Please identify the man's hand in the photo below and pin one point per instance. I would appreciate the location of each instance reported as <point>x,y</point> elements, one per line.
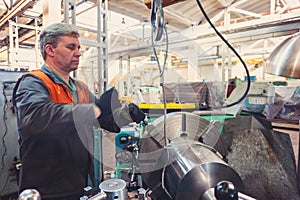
<point>109,102</point>
<point>127,114</point>
<point>114,115</point>
<point>136,114</point>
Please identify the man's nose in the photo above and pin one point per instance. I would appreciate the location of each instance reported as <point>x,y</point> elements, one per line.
<point>77,53</point>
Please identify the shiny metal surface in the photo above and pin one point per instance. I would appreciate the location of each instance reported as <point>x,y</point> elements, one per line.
<point>30,194</point>
<point>185,168</point>
<point>196,169</point>
<point>100,196</point>
<point>178,124</point>
<point>186,156</point>
<point>285,59</point>
<point>115,189</point>
<point>195,183</point>
<point>208,194</point>
<point>154,156</point>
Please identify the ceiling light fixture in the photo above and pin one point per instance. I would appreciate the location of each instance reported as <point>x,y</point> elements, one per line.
<point>285,59</point>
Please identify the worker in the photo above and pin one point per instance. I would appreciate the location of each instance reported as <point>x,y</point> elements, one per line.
<point>56,117</point>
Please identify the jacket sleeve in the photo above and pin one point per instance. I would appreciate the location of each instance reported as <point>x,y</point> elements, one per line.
<point>37,114</point>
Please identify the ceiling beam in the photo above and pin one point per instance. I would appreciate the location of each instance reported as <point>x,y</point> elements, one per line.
<point>16,10</point>
<point>245,36</point>
<point>245,12</point>
<point>225,3</point>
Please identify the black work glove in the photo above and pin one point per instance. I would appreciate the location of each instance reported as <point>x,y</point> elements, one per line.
<point>114,115</point>
<point>136,114</point>
<point>108,103</point>
<point>127,114</point>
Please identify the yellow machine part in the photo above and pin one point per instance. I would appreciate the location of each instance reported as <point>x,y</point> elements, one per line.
<point>168,106</point>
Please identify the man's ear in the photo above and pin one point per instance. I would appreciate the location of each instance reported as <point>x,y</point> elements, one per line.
<point>49,50</point>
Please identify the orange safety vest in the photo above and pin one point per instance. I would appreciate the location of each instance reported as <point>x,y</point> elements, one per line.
<point>59,93</point>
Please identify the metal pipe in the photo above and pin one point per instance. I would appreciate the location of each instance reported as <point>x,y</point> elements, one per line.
<point>66,11</point>
<point>100,77</point>
<point>73,9</point>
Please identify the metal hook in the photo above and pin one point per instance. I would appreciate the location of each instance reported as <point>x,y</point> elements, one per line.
<point>157,19</point>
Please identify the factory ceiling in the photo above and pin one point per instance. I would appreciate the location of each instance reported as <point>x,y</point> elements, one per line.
<point>240,20</point>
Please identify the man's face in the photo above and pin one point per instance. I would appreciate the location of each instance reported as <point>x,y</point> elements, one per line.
<point>66,55</point>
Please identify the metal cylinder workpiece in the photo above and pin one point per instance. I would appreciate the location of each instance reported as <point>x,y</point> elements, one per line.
<point>115,189</point>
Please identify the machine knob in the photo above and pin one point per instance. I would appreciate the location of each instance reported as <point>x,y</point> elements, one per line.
<point>30,194</point>
<point>225,190</point>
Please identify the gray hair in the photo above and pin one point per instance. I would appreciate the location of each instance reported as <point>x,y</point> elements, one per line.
<point>52,33</point>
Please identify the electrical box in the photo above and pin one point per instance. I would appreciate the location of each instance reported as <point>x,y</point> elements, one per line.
<point>126,136</point>
<point>9,147</point>
<point>257,97</point>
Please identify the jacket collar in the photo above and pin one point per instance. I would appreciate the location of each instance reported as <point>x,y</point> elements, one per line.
<point>52,76</point>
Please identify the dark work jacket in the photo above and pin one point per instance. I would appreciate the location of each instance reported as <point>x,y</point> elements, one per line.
<point>55,135</point>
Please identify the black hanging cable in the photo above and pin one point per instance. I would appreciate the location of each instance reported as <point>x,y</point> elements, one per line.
<point>236,53</point>
<point>5,108</point>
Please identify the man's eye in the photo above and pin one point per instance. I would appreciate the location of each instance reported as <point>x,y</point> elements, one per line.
<point>71,47</point>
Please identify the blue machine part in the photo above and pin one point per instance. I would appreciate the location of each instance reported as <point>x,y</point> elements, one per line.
<point>124,157</point>
<point>126,136</point>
